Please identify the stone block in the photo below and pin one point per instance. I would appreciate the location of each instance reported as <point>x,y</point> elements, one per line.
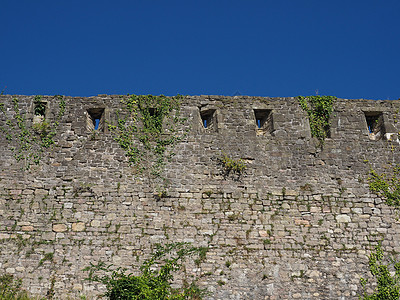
<point>27,228</point>
<point>302,222</point>
<point>59,227</point>
<point>95,223</point>
<point>343,218</point>
<point>79,226</point>
<point>4,236</point>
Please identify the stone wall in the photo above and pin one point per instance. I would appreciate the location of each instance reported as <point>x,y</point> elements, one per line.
<point>298,223</point>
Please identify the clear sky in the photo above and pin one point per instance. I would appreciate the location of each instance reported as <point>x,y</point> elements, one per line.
<point>349,49</point>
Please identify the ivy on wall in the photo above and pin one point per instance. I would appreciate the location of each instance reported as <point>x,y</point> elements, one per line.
<point>319,110</point>
<point>387,277</point>
<point>147,128</point>
<point>29,142</point>
<point>386,186</point>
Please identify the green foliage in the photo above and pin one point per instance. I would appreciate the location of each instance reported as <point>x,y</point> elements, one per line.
<point>147,129</point>
<point>319,110</point>
<point>29,143</point>
<point>47,257</point>
<point>41,128</point>
<point>388,283</point>
<point>156,275</point>
<point>229,165</point>
<point>386,186</point>
<point>61,106</point>
<point>10,288</point>
<point>40,107</point>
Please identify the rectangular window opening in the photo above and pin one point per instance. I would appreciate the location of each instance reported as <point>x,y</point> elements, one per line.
<point>374,122</point>
<point>263,119</point>
<point>208,118</point>
<point>95,119</point>
<point>39,111</point>
<point>40,108</point>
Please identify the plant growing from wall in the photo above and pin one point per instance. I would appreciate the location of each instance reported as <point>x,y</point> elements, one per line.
<point>319,110</point>
<point>10,288</point>
<point>386,186</point>
<point>147,129</point>
<point>230,165</point>
<point>42,129</point>
<point>40,106</point>
<point>388,281</point>
<point>29,142</point>
<point>156,276</point>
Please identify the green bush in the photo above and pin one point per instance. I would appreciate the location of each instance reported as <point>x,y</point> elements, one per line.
<point>156,276</point>
<point>229,165</point>
<point>388,283</point>
<point>10,288</point>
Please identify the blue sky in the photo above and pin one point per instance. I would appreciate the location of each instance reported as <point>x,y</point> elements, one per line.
<point>350,49</point>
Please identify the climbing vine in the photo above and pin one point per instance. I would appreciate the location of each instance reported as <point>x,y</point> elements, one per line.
<point>387,277</point>
<point>319,110</point>
<point>386,185</point>
<point>29,142</point>
<point>147,128</point>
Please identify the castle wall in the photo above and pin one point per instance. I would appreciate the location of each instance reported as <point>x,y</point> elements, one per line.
<point>298,223</point>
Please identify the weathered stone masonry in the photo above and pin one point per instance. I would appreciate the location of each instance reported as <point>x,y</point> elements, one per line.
<point>298,223</point>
